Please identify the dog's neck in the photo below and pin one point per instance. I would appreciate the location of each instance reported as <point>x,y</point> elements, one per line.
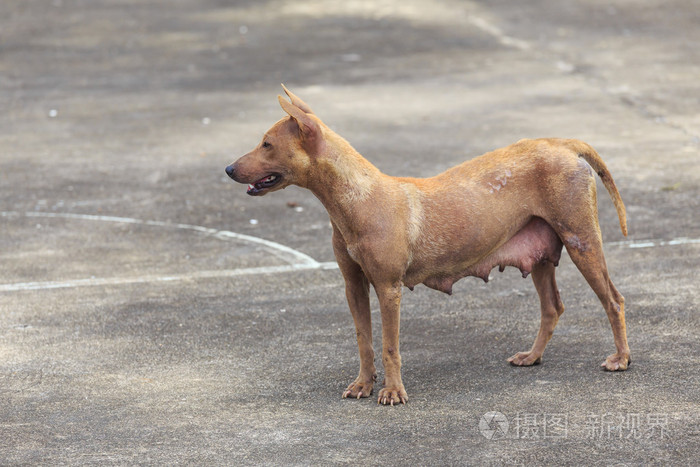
<point>342,179</point>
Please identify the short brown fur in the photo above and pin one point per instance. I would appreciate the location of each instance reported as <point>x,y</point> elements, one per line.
<point>516,206</point>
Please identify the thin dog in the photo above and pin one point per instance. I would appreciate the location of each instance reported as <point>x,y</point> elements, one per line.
<point>516,206</point>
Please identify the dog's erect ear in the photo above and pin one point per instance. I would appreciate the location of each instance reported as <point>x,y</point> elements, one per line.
<point>298,102</point>
<point>309,130</point>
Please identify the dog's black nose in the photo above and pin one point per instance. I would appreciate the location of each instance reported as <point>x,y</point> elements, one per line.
<point>230,171</point>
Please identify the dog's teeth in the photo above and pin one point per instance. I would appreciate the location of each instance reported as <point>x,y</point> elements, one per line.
<point>250,186</point>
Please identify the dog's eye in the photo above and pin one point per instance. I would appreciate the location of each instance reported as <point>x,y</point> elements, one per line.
<point>266,145</point>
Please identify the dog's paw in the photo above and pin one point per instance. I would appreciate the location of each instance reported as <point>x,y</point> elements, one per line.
<point>391,396</point>
<point>616,362</point>
<point>358,389</point>
<point>525,359</point>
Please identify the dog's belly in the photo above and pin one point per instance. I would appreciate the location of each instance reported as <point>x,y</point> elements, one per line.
<point>536,242</point>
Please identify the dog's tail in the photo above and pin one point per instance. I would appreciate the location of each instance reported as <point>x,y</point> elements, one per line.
<point>591,156</point>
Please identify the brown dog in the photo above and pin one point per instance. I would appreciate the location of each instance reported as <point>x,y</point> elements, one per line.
<point>515,206</point>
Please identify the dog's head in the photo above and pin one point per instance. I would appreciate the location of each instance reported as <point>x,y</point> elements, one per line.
<point>285,153</point>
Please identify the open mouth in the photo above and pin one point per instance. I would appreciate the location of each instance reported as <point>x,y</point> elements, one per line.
<point>264,184</point>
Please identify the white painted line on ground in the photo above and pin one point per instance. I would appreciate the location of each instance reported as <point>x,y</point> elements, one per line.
<point>493,30</point>
<point>275,247</point>
<point>655,243</point>
<point>305,262</point>
<point>299,262</point>
<point>154,278</point>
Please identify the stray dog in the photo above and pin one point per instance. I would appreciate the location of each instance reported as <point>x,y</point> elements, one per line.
<point>516,206</point>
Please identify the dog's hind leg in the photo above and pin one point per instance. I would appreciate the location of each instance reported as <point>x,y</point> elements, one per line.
<point>551,308</point>
<point>588,258</point>
<point>576,223</point>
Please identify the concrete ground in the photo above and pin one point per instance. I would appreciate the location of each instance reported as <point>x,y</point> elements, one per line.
<point>152,313</point>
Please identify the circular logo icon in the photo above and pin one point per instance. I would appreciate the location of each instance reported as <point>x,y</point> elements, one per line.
<point>493,425</point>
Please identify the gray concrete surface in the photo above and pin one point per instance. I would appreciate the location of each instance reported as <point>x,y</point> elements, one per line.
<point>136,327</point>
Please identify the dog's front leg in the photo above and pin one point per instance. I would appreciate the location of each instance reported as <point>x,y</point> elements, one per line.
<point>390,304</point>
<point>357,294</point>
